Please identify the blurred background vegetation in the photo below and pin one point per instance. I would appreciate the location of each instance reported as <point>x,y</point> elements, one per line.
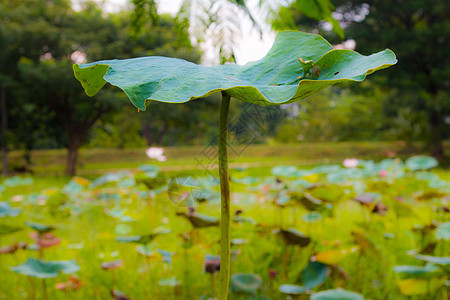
<point>43,106</point>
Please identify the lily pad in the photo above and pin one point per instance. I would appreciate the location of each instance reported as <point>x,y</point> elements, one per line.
<point>199,220</point>
<point>18,181</point>
<point>442,261</point>
<point>443,231</point>
<point>169,282</point>
<point>41,228</point>
<point>406,271</point>
<point>143,239</point>
<point>245,283</point>
<point>286,171</point>
<point>293,289</point>
<point>292,236</point>
<point>7,211</point>
<point>314,274</point>
<point>272,80</point>
<point>46,269</point>
<point>311,217</point>
<point>421,162</point>
<point>337,294</point>
<point>414,286</point>
<point>334,256</point>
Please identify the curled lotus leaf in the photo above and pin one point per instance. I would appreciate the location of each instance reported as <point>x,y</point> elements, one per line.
<point>278,78</point>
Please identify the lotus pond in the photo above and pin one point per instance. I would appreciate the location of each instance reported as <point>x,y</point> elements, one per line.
<point>360,230</point>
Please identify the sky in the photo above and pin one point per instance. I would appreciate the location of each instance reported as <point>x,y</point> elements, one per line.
<point>251,48</point>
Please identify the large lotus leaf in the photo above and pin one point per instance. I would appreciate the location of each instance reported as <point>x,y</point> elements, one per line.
<point>270,81</point>
<point>46,269</point>
<point>7,211</point>
<point>338,294</point>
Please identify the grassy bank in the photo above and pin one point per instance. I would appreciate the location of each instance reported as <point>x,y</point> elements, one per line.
<point>97,161</point>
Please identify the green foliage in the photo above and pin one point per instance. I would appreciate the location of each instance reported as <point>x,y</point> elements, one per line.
<point>89,230</point>
<point>7,211</point>
<point>271,80</point>
<point>46,269</point>
<point>416,31</point>
<point>319,10</point>
<point>338,115</point>
<point>338,294</point>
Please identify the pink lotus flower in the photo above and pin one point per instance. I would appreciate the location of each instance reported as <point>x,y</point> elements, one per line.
<point>383,173</point>
<point>156,153</point>
<point>350,162</point>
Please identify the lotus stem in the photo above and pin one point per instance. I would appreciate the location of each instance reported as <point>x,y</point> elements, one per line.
<point>44,289</point>
<point>224,275</point>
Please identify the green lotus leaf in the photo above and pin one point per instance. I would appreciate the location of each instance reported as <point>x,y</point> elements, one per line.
<point>314,274</point>
<point>169,282</point>
<point>287,171</point>
<point>235,242</point>
<point>18,181</point>
<point>41,228</point>
<point>277,78</point>
<point>311,217</point>
<point>46,269</point>
<point>293,289</point>
<point>6,229</point>
<point>7,211</point>
<point>428,271</point>
<point>421,162</point>
<point>337,294</point>
<point>292,236</point>
<point>442,261</point>
<point>199,220</point>
<point>245,283</point>
<point>143,239</point>
<point>443,231</point>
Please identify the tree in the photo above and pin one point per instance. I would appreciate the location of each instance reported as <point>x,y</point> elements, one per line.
<point>27,29</point>
<point>41,39</point>
<point>418,32</point>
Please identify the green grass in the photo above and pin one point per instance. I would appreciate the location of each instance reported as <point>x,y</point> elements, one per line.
<point>88,233</point>
<point>97,161</point>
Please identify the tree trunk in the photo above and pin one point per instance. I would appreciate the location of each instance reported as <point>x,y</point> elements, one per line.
<point>72,154</point>
<point>4,145</point>
<point>436,134</point>
<point>147,132</point>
